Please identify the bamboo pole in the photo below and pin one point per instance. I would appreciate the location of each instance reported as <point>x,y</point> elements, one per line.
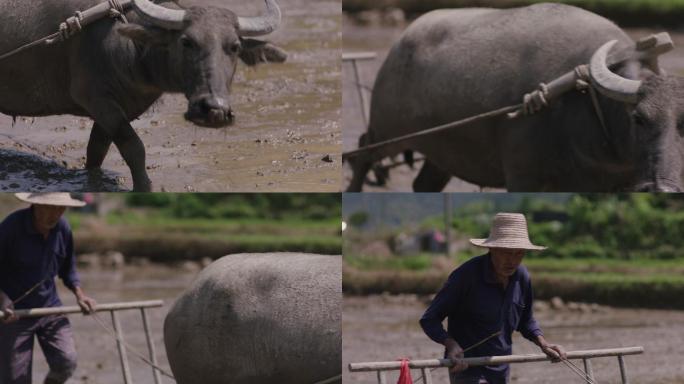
<point>39,312</point>
<point>588,369</point>
<point>353,56</point>
<point>150,346</point>
<point>123,356</point>
<point>623,374</point>
<point>382,379</point>
<point>492,360</point>
<point>426,375</point>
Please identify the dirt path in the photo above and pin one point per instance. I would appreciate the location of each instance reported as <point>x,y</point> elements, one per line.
<point>379,39</point>
<point>287,136</point>
<point>384,328</point>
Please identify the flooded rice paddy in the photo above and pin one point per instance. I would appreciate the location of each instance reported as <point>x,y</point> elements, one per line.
<point>287,135</point>
<point>98,359</point>
<point>379,39</point>
<point>385,328</point>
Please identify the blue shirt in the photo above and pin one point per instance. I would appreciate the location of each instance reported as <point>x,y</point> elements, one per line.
<point>477,306</point>
<point>26,258</point>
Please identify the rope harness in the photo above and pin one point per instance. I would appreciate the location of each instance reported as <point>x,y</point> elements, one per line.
<point>533,102</point>
<point>537,100</point>
<point>73,26</point>
<point>645,50</point>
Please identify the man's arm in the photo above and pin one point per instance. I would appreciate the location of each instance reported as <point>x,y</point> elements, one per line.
<point>6,304</point>
<point>439,309</point>
<point>530,329</point>
<point>68,274</point>
<point>7,308</point>
<point>88,305</point>
<point>554,351</point>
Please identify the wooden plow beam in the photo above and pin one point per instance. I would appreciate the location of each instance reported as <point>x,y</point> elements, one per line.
<point>424,365</point>
<point>112,308</point>
<point>354,58</point>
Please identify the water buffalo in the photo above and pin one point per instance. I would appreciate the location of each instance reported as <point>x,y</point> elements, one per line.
<point>259,319</point>
<point>112,72</point>
<point>451,64</point>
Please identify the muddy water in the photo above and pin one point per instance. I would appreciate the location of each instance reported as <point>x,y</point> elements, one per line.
<point>287,135</point>
<point>98,357</point>
<point>380,328</point>
<point>379,39</point>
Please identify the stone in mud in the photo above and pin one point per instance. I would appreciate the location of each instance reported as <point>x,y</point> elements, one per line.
<point>259,319</point>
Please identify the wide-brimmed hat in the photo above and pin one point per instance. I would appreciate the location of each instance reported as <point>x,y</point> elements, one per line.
<point>509,230</point>
<point>60,199</point>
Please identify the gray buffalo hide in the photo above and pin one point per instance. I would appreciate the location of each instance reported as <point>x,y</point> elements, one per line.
<point>258,319</point>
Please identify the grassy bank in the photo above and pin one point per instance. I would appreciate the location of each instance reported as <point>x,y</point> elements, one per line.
<point>164,239</point>
<point>644,284</point>
<point>624,12</point>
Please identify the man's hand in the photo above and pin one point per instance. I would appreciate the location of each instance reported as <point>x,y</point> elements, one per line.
<point>455,353</point>
<point>7,307</point>
<point>554,351</point>
<point>88,305</point>
<point>9,316</point>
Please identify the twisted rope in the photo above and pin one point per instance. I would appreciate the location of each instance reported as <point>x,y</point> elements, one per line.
<point>116,11</point>
<point>69,28</point>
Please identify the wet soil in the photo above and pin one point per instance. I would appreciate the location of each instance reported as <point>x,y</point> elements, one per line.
<point>384,328</point>
<point>287,136</point>
<point>379,39</point>
<point>98,360</point>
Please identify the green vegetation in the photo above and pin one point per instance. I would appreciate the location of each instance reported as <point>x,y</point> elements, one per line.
<point>171,227</point>
<point>624,249</point>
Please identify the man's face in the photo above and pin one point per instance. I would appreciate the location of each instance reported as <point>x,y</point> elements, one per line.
<point>47,216</point>
<point>506,261</point>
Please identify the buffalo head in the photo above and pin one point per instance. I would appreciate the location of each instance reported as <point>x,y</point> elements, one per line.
<point>201,47</point>
<point>655,109</point>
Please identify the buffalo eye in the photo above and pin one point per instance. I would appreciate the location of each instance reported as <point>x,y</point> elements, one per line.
<point>187,42</point>
<point>233,48</point>
<point>638,119</point>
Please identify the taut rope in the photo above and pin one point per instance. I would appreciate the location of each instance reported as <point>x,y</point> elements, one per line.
<point>72,26</point>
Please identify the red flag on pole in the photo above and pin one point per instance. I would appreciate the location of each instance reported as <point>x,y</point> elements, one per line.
<point>405,373</point>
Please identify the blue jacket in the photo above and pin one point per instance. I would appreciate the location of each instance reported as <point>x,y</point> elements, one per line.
<point>476,307</point>
<point>26,258</point>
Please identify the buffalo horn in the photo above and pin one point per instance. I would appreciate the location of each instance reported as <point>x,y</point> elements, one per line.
<point>261,25</point>
<point>159,16</point>
<point>608,83</point>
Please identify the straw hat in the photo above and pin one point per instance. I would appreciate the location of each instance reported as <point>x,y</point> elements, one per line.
<point>50,198</point>
<point>509,230</point>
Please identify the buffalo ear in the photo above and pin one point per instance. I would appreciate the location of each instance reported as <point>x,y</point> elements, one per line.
<point>144,35</point>
<point>257,51</point>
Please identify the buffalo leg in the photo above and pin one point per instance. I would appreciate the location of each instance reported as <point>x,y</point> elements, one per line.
<point>112,119</point>
<point>360,169</point>
<point>98,146</point>
<point>430,179</point>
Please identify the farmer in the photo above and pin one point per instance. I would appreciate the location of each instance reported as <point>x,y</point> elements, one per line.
<point>488,294</point>
<point>35,246</point>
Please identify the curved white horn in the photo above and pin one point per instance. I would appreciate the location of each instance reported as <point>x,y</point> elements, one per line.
<point>261,25</point>
<point>608,83</point>
<point>159,16</point>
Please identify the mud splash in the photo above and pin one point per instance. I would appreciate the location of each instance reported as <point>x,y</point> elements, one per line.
<point>23,172</point>
<point>287,136</point>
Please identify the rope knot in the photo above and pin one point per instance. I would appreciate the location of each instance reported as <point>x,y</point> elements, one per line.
<point>534,101</point>
<point>116,11</point>
<point>583,77</point>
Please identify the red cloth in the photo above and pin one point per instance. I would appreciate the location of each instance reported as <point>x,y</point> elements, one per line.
<point>405,373</point>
